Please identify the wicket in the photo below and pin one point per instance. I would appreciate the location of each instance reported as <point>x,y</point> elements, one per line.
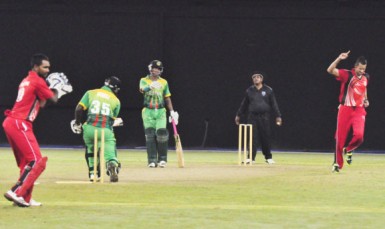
<point>101,160</point>
<point>245,134</point>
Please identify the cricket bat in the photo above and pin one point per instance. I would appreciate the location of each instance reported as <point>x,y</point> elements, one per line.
<point>178,146</point>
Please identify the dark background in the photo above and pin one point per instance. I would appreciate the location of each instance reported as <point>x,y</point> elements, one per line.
<point>208,48</point>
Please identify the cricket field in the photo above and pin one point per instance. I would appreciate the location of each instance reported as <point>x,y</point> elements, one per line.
<point>212,191</point>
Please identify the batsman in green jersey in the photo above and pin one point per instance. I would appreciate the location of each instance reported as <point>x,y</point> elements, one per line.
<point>102,108</point>
<point>156,97</point>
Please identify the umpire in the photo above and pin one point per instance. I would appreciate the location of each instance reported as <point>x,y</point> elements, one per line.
<point>258,103</point>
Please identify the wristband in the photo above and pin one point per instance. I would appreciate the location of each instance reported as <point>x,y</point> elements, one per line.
<point>146,89</point>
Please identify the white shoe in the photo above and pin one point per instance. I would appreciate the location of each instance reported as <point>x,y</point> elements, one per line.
<point>19,201</point>
<point>92,178</point>
<point>248,161</point>
<point>34,203</point>
<point>270,161</point>
<point>152,165</point>
<point>162,164</point>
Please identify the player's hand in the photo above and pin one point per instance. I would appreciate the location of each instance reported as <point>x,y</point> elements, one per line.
<point>118,122</point>
<point>155,85</point>
<point>344,55</point>
<point>76,128</point>
<point>237,120</point>
<point>366,103</point>
<point>173,116</point>
<point>58,81</point>
<point>278,121</point>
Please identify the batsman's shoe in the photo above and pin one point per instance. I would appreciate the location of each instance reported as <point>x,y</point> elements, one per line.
<point>335,168</point>
<point>162,164</point>
<point>19,201</point>
<point>152,165</point>
<point>270,161</point>
<point>349,156</point>
<point>112,171</point>
<point>92,177</point>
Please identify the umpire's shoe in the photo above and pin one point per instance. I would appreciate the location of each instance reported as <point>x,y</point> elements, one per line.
<point>112,171</point>
<point>349,156</point>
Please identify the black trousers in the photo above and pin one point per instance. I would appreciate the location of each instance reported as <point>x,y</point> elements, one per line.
<point>261,134</point>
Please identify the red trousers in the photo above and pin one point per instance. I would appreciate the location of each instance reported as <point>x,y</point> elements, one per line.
<point>24,145</point>
<point>349,118</point>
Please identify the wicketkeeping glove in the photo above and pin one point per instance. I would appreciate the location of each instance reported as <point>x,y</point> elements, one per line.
<point>174,116</point>
<point>60,83</point>
<point>76,128</point>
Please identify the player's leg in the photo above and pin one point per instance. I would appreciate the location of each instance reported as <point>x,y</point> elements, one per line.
<point>256,137</point>
<point>88,138</point>
<point>149,124</point>
<point>27,153</point>
<point>31,153</point>
<point>265,132</point>
<point>151,147</point>
<point>27,180</point>
<point>87,156</point>
<point>12,133</point>
<point>342,131</point>
<point>162,137</point>
<point>11,195</point>
<point>358,126</point>
<point>111,156</point>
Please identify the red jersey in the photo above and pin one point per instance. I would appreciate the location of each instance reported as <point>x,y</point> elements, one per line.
<point>32,90</point>
<point>353,89</point>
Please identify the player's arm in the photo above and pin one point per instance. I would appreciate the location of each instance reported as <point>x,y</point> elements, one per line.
<point>274,105</point>
<point>168,102</point>
<point>76,124</point>
<point>173,114</point>
<point>54,99</point>
<point>46,95</point>
<point>79,110</point>
<point>366,100</point>
<point>242,109</point>
<point>167,97</point>
<point>117,120</point>
<point>332,69</point>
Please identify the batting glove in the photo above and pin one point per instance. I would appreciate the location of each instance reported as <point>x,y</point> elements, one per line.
<point>118,122</point>
<point>76,128</point>
<point>173,116</point>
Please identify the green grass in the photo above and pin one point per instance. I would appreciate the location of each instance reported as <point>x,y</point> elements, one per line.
<point>212,191</point>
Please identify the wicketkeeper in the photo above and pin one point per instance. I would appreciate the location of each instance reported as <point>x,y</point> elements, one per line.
<point>33,93</point>
<point>102,108</point>
<point>156,96</point>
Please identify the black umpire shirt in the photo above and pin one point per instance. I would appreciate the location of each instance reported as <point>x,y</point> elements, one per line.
<point>259,102</point>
